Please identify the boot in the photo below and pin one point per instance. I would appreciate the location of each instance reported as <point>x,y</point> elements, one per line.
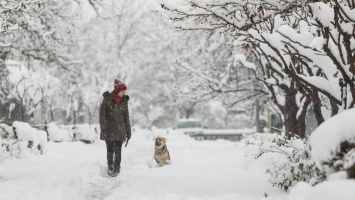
<point>110,169</point>
<point>116,170</point>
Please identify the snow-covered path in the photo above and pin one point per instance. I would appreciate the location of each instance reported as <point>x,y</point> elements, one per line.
<point>199,170</point>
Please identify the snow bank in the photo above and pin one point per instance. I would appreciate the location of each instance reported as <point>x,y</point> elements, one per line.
<point>4,134</point>
<point>2,157</point>
<point>328,190</point>
<point>35,140</point>
<point>327,138</point>
<point>21,139</point>
<point>58,134</point>
<point>86,132</point>
<point>208,170</point>
<point>5,131</point>
<point>26,133</point>
<point>81,132</point>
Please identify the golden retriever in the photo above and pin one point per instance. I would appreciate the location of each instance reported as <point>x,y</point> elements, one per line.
<point>161,154</point>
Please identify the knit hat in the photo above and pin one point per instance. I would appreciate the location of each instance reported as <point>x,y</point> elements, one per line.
<point>119,85</point>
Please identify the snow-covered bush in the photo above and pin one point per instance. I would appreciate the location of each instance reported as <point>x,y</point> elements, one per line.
<point>333,144</point>
<point>36,139</point>
<point>20,139</point>
<point>85,133</point>
<point>8,143</point>
<point>294,163</point>
<point>2,157</point>
<point>57,134</point>
<point>81,132</point>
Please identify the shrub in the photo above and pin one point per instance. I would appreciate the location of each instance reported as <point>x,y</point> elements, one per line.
<point>294,164</point>
<point>333,144</point>
<point>21,138</point>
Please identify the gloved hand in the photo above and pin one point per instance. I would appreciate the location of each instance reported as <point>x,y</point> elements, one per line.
<point>128,137</point>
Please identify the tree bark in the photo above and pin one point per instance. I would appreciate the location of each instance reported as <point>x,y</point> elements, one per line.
<point>335,108</point>
<point>317,104</point>
<point>294,125</point>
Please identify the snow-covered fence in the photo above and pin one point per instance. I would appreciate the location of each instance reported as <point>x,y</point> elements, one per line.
<point>333,144</point>
<point>293,161</point>
<point>20,139</point>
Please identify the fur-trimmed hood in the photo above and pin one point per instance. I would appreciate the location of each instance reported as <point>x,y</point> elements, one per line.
<point>107,94</point>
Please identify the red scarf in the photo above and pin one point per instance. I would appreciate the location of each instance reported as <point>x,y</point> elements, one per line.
<point>116,98</point>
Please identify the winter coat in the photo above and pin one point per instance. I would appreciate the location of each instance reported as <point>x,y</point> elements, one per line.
<point>114,119</point>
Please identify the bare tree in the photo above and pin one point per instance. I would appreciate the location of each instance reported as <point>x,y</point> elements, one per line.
<point>285,37</point>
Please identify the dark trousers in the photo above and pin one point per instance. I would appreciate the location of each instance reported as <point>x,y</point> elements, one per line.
<point>114,153</point>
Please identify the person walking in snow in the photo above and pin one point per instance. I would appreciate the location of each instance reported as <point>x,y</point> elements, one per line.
<point>114,124</point>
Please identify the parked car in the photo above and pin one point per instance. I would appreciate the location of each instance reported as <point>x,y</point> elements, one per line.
<point>192,127</point>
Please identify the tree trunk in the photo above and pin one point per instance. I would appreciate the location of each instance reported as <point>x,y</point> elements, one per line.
<point>52,115</point>
<point>294,125</point>
<point>257,109</point>
<point>335,108</point>
<point>22,111</point>
<point>301,127</point>
<point>89,115</point>
<point>317,104</point>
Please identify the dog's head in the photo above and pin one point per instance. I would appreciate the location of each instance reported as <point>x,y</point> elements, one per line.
<point>160,142</point>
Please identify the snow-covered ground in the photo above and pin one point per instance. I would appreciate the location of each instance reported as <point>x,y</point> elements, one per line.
<point>199,170</point>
